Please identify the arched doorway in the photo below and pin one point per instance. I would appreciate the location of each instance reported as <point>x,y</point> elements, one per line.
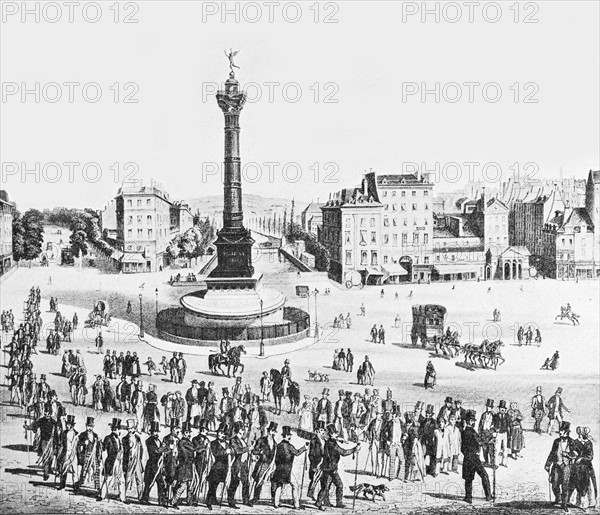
<point>520,271</point>
<point>514,270</point>
<point>507,271</point>
<point>406,262</point>
<point>488,273</point>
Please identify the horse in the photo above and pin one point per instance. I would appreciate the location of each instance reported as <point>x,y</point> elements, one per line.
<point>568,314</point>
<point>231,359</point>
<point>277,387</point>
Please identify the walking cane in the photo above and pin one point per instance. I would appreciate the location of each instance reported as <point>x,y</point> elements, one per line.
<point>367,460</point>
<point>227,479</point>
<point>302,481</point>
<point>355,477</point>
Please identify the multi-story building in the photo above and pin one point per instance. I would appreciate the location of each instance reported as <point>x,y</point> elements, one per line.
<point>570,243</point>
<point>7,209</point>
<point>351,232</point>
<point>312,218</point>
<point>145,221</point>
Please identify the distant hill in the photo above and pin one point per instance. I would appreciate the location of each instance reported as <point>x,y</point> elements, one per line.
<point>251,204</point>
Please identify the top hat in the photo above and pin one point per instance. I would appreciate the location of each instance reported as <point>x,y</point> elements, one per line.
<point>194,381</point>
<point>471,415</point>
<point>286,431</point>
<point>325,391</point>
<point>225,390</point>
<point>70,419</point>
<point>155,426</point>
<point>186,426</point>
<point>272,427</point>
<point>502,404</point>
<point>238,426</point>
<point>448,399</point>
<point>565,426</point>
<point>429,408</point>
<point>348,394</point>
<point>538,389</point>
<point>116,423</point>
<point>222,428</point>
<point>43,376</point>
<point>174,423</point>
<point>331,429</point>
<point>489,403</point>
<point>419,405</point>
<point>286,361</point>
<point>320,425</point>
<point>457,401</point>
<point>342,392</point>
<point>89,421</point>
<point>559,390</point>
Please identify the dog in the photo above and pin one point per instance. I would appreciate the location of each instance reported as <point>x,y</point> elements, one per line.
<point>372,490</point>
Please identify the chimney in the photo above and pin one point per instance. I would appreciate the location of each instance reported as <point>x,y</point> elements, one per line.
<point>483,195</point>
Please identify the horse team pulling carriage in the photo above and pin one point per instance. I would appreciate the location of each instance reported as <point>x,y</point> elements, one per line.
<point>99,316</point>
<point>485,355</point>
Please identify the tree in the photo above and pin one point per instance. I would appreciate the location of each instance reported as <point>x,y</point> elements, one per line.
<point>284,228</point>
<point>32,235</point>
<point>322,258</point>
<point>292,217</point>
<point>18,237</point>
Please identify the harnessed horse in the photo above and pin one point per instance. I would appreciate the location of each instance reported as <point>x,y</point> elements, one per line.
<point>231,359</point>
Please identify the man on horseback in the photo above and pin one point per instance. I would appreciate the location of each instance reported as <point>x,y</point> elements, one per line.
<point>224,347</point>
<point>286,376</point>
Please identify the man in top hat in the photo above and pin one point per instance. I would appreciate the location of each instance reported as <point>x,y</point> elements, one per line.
<point>220,468</point>
<point>226,404</point>
<point>555,406</point>
<point>237,388</point>
<point>316,453</point>
<point>89,453</point>
<point>181,367</point>
<point>185,465</point>
<point>538,410</point>
<point>138,401</point>
<point>132,458</point>
<point>284,460</point>
<point>486,430</point>
<point>240,466</point>
<point>392,439</point>
<point>501,426</point>
<point>559,464</point>
<point>324,409</point>
<point>446,409</point>
<point>173,368</point>
<point>264,448</point>
<point>67,452</point>
<point>257,420</point>
<point>470,448</point>
<point>429,440</point>
<point>265,387</point>
<point>286,376</point>
<point>202,448</point>
<point>192,397</point>
<point>48,439</point>
<point>153,470</point>
<point>459,412</point>
<point>113,467</point>
<point>366,373</point>
<point>170,457</point>
<point>211,406</point>
<point>333,452</point>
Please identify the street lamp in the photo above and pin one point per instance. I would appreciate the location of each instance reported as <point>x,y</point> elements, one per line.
<point>316,319</point>
<point>141,335</point>
<point>156,295</point>
<point>262,341</point>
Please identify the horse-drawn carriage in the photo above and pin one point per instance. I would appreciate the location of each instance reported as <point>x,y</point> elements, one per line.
<point>428,323</point>
<point>485,355</point>
<point>99,316</point>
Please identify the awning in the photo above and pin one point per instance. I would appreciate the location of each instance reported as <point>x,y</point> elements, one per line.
<point>394,269</point>
<point>371,270</point>
<point>456,269</point>
<point>133,258</point>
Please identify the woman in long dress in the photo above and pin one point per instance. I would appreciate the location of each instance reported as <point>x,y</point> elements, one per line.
<point>517,440</point>
<point>336,360</point>
<point>306,415</point>
<point>583,476</point>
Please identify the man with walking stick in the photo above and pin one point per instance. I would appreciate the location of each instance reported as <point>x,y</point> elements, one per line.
<point>471,446</point>
<point>219,471</point>
<point>153,471</point>
<point>333,453</point>
<point>316,453</point>
<point>284,460</point>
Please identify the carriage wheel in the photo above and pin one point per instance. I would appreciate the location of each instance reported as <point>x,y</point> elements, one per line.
<point>348,284</point>
<point>361,286</point>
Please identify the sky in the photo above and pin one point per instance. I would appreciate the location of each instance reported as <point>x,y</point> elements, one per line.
<point>341,92</point>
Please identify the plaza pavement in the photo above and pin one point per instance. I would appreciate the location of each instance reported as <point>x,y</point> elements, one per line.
<point>521,488</point>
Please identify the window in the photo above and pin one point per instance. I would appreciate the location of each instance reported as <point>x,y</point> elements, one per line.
<point>373,237</point>
<point>426,239</point>
<point>394,207</point>
<point>362,222</point>
<point>570,241</point>
<point>372,222</point>
<point>149,219</point>
<point>130,233</point>
<point>348,257</point>
<point>414,193</point>
<point>490,240</point>
<point>149,233</point>
<point>386,222</point>
<point>130,220</point>
<point>395,222</point>
<point>139,203</point>
<point>415,238</point>
<point>426,193</point>
<point>386,239</point>
<point>148,202</point>
<point>385,260</point>
<point>414,207</point>
<point>363,257</point>
<point>505,239</point>
<point>404,239</point>
<point>139,219</point>
<point>426,207</point>
<point>404,222</point>
<point>403,207</point>
<point>395,240</point>
<point>374,258</point>
<point>497,228</point>
<point>140,233</point>
<point>437,258</point>
<point>394,193</point>
<point>348,222</point>
<point>347,237</point>
<point>563,241</point>
<point>403,194</point>
<point>386,207</point>
<point>363,237</point>
<point>385,193</point>
<point>426,260</point>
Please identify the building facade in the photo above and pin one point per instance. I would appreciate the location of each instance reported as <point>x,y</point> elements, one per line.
<point>140,222</point>
<point>7,209</point>
<point>312,218</point>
